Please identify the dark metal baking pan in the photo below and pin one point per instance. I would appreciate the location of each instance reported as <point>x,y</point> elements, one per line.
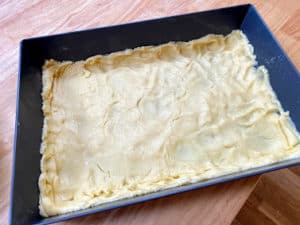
<point>284,77</point>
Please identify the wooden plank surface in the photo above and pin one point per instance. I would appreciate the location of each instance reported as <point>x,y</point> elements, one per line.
<point>275,200</point>
<point>22,19</point>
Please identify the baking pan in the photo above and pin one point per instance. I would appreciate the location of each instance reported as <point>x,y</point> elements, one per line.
<point>284,77</point>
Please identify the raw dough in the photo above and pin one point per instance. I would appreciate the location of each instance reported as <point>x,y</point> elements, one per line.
<point>146,119</point>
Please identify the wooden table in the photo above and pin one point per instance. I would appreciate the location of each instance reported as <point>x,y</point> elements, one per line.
<point>23,19</point>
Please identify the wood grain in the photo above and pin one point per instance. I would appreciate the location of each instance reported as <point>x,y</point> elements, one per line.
<point>23,19</point>
<point>275,200</point>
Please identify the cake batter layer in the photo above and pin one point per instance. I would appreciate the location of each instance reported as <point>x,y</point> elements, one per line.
<point>142,120</point>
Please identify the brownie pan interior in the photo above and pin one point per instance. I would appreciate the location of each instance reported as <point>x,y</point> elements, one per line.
<point>284,77</point>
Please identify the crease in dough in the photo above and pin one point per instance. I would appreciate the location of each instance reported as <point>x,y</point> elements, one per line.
<point>142,120</point>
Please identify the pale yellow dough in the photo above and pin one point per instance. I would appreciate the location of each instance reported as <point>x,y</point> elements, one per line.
<point>150,118</point>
